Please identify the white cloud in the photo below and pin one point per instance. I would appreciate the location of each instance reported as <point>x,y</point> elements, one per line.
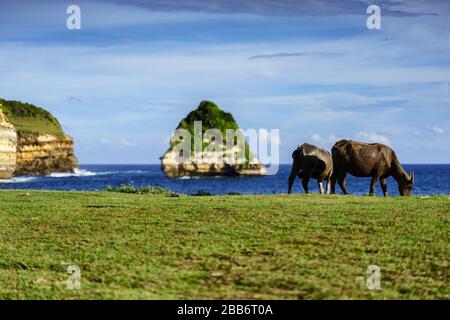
<point>117,142</point>
<point>325,142</point>
<point>334,99</point>
<point>270,93</point>
<point>438,130</point>
<point>292,7</point>
<point>373,137</point>
<point>332,138</point>
<point>126,143</point>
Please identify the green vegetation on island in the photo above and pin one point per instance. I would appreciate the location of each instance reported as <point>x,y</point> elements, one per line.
<point>28,118</point>
<point>212,117</point>
<point>143,246</point>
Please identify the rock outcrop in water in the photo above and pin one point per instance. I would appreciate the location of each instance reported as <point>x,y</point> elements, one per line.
<point>215,163</point>
<point>32,142</point>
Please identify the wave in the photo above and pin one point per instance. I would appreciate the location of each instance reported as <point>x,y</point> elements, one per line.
<point>126,171</point>
<point>86,173</point>
<point>190,178</point>
<point>77,173</point>
<point>17,180</point>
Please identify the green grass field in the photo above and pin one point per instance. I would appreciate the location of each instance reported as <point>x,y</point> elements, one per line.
<point>224,247</point>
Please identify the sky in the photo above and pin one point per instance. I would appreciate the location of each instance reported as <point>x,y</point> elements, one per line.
<point>311,69</point>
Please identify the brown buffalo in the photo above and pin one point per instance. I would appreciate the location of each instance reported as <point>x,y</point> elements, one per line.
<point>311,162</point>
<point>368,160</point>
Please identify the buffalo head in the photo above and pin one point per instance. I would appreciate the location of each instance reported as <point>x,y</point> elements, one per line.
<point>405,184</point>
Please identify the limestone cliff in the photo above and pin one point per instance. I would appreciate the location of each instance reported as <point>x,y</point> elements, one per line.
<point>8,143</point>
<point>42,154</point>
<point>213,162</point>
<point>37,144</point>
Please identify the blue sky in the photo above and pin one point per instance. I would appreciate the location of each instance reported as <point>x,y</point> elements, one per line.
<point>312,69</point>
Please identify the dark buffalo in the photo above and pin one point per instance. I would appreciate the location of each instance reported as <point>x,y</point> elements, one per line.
<point>311,162</point>
<point>368,160</point>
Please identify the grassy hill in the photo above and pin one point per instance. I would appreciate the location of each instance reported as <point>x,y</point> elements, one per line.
<point>28,118</point>
<point>238,247</point>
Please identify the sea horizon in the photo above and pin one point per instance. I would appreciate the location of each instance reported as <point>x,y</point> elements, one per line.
<point>281,164</point>
<point>430,179</point>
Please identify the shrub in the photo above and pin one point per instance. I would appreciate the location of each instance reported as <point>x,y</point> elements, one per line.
<point>129,188</point>
<point>201,192</point>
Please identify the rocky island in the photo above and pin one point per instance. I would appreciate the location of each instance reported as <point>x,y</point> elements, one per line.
<point>32,142</point>
<point>217,164</point>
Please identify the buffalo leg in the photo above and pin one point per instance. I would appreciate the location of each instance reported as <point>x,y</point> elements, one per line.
<point>333,183</point>
<point>341,182</point>
<point>383,182</point>
<point>373,183</point>
<point>294,172</point>
<point>305,181</point>
<point>320,183</point>
<point>328,185</point>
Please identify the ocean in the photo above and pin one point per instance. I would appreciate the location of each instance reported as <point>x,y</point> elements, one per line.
<point>430,179</point>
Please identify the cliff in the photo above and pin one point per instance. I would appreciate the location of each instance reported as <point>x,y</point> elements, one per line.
<point>42,154</point>
<point>8,143</point>
<point>204,161</point>
<point>36,143</point>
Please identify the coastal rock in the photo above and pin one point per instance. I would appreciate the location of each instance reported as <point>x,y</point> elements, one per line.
<point>214,163</point>
<point>8,147</point>
<point>42,154</point>
<point>32,142</point>
<point>176,170</point>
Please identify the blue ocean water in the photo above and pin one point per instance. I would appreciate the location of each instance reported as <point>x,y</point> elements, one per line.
<point>430,179</point>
